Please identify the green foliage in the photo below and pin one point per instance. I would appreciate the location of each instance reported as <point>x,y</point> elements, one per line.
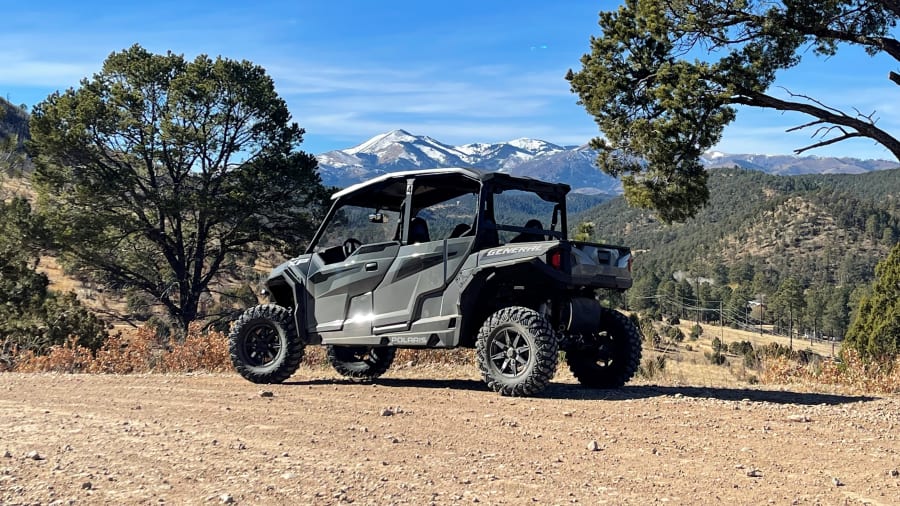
<point>788,302</point>
<point>717,345</point>
<point>875,332</point>
<point>696,332</point>
<point>31,316</point>
<point>157,173</point>
<point>740,347</point>
<point>716,358</point>
<point>659,110</point>
<point>584,231</point>
<point>674,334</point>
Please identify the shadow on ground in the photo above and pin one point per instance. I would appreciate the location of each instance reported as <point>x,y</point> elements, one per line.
<point>629,392</point>
<point>718,393</point>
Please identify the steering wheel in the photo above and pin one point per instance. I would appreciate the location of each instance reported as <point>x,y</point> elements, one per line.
<point>351,245</point>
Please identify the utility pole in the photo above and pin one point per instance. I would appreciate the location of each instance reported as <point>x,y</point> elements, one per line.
<point>762,313</point>
<point>721,321</point>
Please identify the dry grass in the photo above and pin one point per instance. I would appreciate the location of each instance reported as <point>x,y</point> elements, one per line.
<point>140,352</point>
<point>853,373</point>
<point>687,364</point>
<point>681,364</point>
<point>728,334</point>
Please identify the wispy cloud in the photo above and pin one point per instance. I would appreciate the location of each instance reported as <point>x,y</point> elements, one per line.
<point>478,103</point>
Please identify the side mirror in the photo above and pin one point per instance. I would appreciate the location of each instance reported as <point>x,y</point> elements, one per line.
<point>376,218</point>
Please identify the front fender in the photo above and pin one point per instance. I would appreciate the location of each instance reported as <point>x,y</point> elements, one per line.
<point>286,286</point>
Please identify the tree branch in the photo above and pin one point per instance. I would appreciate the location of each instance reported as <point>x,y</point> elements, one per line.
<point>893,76</point>
<point>864,128</point>
<point>889,45</point>
<point>827,142</point>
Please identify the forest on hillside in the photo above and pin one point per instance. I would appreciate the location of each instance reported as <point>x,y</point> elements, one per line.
<point>794,252</point>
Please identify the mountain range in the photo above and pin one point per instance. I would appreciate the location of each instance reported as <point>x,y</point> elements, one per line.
<point>400,150</point>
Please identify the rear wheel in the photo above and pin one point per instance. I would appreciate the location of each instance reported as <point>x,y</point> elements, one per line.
<point>264,346</point>
<point>609,358</point>
<point>516,351</point>
<point>361,362</point>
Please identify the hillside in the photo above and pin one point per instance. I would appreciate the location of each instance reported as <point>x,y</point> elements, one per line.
<point>13,122</point>
<point>825,231</point>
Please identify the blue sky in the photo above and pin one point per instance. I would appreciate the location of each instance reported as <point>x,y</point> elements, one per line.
<point>460,72</point>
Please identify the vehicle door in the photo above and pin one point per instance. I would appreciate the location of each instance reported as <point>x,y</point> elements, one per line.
<point>426,261</point>
<point>351,262</point>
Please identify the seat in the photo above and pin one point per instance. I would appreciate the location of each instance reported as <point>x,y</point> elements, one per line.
<point>459,231</point>
<point>418,231</point>
<point>531,236</point>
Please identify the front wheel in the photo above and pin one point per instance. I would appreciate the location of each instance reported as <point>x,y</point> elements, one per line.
<point>361,362</point>
<point>516,351</point>
<point>609,358</point>
<point>264,346</point>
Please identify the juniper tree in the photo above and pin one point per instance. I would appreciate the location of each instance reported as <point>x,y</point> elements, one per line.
<point>156,173</point>
<point>663,79</point>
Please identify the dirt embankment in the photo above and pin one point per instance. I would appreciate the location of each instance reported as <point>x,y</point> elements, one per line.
<point>414,439</point>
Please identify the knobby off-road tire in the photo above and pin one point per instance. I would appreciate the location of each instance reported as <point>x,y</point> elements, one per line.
<point>264,345</point>
<point>516,351</point>
<point>361,363</point>
<point>614,359</point>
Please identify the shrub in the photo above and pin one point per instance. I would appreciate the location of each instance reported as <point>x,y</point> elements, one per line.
<point>647,327</point>
<point>751,360</point>
<point>139,352</point>
<point>715,358</point>
<point>200,351</point>
<point>134,354</point>
<point>696,332</point>
<point>69,357</point>
<point>740,347</point>
<point>717,345</point>
<point>652,367</point>
<point>674,334</point>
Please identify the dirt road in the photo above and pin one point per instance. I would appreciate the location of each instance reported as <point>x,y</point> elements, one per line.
<point>411,439</point>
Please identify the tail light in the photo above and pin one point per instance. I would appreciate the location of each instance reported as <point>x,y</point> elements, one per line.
<point>630,261</point>
<point>556,259</point>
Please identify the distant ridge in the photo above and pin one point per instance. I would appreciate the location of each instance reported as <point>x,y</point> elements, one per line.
<point>574,165</point>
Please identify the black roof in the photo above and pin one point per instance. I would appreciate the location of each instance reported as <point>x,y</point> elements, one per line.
<point>387,184</point>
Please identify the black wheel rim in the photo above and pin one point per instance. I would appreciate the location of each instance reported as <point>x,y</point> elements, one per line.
<point>509,352</point>
<point>603,353</point>
<point>262,344</point>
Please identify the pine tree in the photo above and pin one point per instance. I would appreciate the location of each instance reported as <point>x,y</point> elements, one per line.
<point>875,332</point>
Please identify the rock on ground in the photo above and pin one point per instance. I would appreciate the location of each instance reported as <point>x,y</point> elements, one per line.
<point>322,440</point>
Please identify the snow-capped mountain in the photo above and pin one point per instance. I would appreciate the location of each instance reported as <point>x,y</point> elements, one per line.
<point>574,165</point>
<point>400,150</point>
